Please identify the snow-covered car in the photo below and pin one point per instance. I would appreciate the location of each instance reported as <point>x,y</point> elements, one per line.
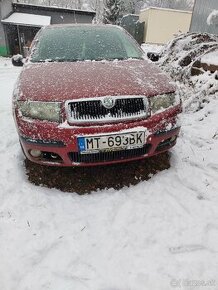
<point>86,96</point>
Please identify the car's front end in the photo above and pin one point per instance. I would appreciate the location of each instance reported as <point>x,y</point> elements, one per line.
<point>89,113</point>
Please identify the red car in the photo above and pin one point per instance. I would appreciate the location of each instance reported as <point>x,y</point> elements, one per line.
<point>86,96</point>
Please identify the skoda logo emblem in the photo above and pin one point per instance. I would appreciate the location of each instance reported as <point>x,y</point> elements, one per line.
<point>108,102</point>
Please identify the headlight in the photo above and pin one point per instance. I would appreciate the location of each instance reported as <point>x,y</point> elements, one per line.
<point>40,110</point>
<point>162,102</point>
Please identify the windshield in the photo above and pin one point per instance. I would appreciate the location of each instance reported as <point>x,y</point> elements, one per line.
<point>77,43</point>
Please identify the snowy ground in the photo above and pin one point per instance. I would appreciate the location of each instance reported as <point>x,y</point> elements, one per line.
<point>159,235</point>
<point>151,48</point>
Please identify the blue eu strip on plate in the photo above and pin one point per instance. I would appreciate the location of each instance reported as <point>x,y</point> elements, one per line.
<point>81,144</point>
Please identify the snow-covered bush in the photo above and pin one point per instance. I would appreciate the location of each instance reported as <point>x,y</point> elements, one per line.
<point>179,54</point>
<point>212,19</point>
<point>179,57</point>
<point>111,11</point>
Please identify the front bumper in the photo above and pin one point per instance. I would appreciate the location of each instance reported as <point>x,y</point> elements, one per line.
<point>58,142</point>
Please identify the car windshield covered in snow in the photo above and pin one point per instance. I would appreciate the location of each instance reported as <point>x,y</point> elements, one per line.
<point>79,43</point>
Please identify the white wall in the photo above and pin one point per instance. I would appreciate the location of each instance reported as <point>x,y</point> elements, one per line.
<point>161,25</point>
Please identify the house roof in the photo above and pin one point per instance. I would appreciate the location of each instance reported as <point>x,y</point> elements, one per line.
<point>52,8</point>
<point>26,19</point>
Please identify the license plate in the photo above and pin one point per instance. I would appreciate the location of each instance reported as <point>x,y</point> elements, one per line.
<point>112,142</point>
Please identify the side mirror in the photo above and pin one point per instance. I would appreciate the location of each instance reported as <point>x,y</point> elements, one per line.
<point>153,56</point>
<point>17,60</point>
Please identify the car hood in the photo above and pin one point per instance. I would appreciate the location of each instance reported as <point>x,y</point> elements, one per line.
<point>73,80</point>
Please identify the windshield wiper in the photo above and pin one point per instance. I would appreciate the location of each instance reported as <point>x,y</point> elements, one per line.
<point>136,57</point>
<point>56,60</point>
<point>75,60</point>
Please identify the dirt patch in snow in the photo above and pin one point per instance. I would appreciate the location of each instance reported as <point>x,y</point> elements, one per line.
<point>88,179</point>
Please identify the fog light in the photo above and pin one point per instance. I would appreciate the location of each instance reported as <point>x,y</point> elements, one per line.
<point>35,153</point>
<point>54,156</point>
<point>173,138</point>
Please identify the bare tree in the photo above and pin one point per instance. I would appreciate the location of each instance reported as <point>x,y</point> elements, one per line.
<point>125,6</point>
<point>98,7</point>
<point>111,11</point>
<point>134,6</point>
<point>172,4</point>
<point>131,6</point>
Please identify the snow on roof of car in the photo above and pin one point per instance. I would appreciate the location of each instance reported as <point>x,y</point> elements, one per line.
<point>28,19</point>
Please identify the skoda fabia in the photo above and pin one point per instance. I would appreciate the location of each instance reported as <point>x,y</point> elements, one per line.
<point>86,96</point>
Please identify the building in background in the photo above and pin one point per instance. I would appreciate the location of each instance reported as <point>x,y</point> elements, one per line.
<point>20,23</point>
<point>161,24</point>
<point>5,10</point>
<point>205,16</point>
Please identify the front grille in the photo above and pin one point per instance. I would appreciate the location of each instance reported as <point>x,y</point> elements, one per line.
<point>128,107</point>
<point>109,156</point>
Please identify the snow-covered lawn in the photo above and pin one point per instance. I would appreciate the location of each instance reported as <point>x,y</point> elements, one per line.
<point>158,235</point>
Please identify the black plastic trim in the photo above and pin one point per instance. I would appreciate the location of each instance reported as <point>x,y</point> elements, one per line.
<point>160,133</point>
<point>109,156</point>
<point>45,143</point>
